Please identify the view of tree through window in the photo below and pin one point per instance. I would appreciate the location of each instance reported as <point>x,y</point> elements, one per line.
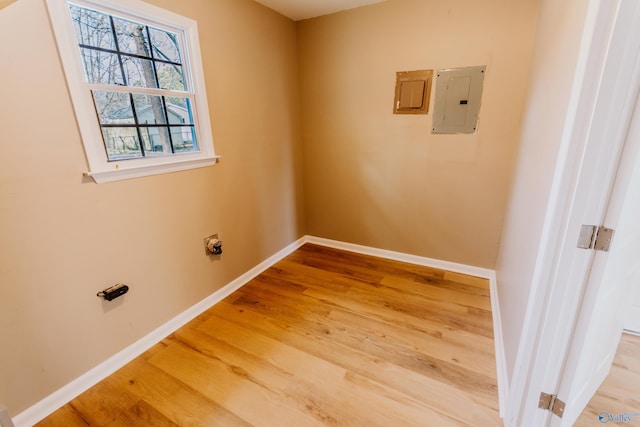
<point>138,85</point>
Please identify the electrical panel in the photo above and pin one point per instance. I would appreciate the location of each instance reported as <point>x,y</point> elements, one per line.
<point>457,100</point>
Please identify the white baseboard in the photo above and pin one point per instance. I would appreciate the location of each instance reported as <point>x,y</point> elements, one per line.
<point>51,403</point>
<point>498,339</point>
<point>501,367</point>
<point>632,324</point>
<point>399,256</point>
<point>62,396</point>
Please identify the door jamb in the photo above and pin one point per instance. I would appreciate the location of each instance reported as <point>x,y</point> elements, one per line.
<point>548,321</point>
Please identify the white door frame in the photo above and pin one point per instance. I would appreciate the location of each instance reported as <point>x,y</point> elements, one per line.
<point>603,95</point>
<point>607,297</point>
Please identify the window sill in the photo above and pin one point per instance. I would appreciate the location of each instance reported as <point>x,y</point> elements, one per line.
<point>123,173</point>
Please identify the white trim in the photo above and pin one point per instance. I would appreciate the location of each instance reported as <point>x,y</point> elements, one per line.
<point>146,170</point>
<point>62,396</point>
<point>502,375</point>
<point>399,256</point>
<point>501,366</point>
<point>79,90</point>
<point>5,421</point>
<point>604,84</point>
<point>65,394</point>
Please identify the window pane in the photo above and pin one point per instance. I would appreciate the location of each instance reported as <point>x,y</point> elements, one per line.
<point>101,67</point>
<point>156,141</point>
<point>122,58</point>
<point>121,143</point>
<point>132,37</point>
<point>113,107</point>
<point>139,72</point>
<point>149,109</point>
<point>165,45</point>
<point>92,28</point>
<point>179,110</point>
<point>184,139</point>
<point>170,76</point>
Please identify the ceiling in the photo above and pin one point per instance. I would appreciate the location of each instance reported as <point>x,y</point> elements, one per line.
<point>303,9</point>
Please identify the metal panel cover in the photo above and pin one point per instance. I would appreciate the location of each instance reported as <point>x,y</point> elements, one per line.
<point>457,100</point>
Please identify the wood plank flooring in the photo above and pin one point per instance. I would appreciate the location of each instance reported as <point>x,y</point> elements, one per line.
<point>620,391</point>
<point>322,338</point>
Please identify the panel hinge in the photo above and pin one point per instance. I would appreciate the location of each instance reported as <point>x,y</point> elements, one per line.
<point>550,402</point>
<point>593,237</point>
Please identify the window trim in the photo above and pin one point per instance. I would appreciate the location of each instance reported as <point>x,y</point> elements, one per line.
<point>100,169</point>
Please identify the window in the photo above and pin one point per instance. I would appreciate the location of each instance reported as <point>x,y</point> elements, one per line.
<point>135,77</point>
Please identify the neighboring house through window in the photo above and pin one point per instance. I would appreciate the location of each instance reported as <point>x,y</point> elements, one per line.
<point>136,81</point>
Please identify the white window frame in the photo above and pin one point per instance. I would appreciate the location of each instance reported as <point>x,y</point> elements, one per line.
<point>100,169</point>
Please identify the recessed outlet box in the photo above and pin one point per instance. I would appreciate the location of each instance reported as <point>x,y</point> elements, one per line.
<point>413,91</point>
<point>114,292</point>
<point>206,241</point>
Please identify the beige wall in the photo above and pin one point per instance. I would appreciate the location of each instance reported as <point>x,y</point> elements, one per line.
<point>553,71</point>
<point>369,177</point>
<point>384,180</point>
<point>5,3</point>
<point>64,238</point>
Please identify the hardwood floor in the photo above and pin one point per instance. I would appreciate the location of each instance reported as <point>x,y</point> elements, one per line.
<point>322,338</point>
<point>620,391</point>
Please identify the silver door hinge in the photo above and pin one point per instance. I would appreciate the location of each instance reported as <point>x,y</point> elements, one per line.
<point>593,237</point>
<point>550,402</point>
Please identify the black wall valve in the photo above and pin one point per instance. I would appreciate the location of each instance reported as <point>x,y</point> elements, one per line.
<point>216,247</point>
<point>113,292</point>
